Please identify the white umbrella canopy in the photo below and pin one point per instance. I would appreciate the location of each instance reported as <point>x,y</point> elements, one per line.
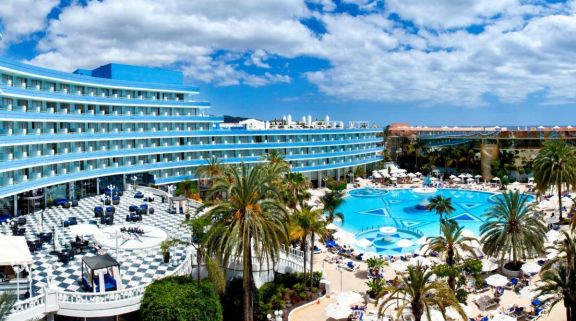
<point>516,183</point>
<point>364,243</point>
<point>418,173</point>
<point>435,315</point>
<point>399,266</point>
<point>404,243</point>
<point>347,298</point>
<point>528,292</point>
<point>503,317</point>
<point>453,176</point>
<point>451,313</point>
<point>477,176</point>
<point>420,260</point>
<point>421,241</point>
<point>84,229</point>
<point>545,205</point>
<point>552,236</point>
<point>412,175</point>
<point>337,311</point>
<point>468,233</point>
<point>462,175</point>
<point>488,266</point>
<point>332,226</point>
<point>343,235</point>
<point>457,179</point>
<point>496,280</point>
<point>496,179</point>
<point>531,267</point>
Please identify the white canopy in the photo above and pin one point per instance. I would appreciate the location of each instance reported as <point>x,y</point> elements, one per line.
<point>347,298</point>
<point>478,176</point>
<point>531,267</point>
<point>412,175</point>
<point>418,173</point>
<point>14,250</point>
<point>404,243</point>
<point>496,179</point>
<point>337,311</point>
<point>497,280</point>
<point>84,229</point>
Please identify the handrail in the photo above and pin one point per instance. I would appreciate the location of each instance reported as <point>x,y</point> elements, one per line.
<point>28,304</point>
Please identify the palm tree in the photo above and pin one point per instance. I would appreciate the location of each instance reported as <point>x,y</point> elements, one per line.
<point>417,292</point>
<point>452,245</point>
<point>198,227</point>
<point>558,277</point>
<point>7,301</point>
<point>441,206</point>
<point>186,188</point>
<point>296,185</point>
<point>212,169</point>
<point>512,229</point>
<point>308,223</point>
<point>331,201</point>
<point>251,222</point>
<point>276,167</point>
<point>555,166</point>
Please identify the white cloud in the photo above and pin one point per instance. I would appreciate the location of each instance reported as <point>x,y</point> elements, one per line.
<point>160,33</point>
<point>449,13</point>
<point>525,47</point>
<point>20,18</point>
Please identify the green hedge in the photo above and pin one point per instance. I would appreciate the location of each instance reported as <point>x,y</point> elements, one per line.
<point>180,298</point>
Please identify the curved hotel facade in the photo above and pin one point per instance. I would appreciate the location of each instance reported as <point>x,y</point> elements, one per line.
<point>70,135</point>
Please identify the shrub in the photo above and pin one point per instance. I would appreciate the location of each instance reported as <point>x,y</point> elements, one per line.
<point>180,298</point>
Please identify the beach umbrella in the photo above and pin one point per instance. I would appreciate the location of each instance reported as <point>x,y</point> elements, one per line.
<point>496,280</point>
<point>503,317</point>
<point>531,267</point>
<point>337,311</point>
<point>451,313</point>
<point>468,233</point>
<point>420,260</point>
<point>435,315</point>
<point>418,174</point>
<point>399,266</point>
<point>343,235</point>
<point>404,243</point>
<point>412,175</point>
<point>496,179</point>
<point>457,179</point>
<point>528,292</point>
<point>552,236</point>
<point>488,266</point>
<point>84,229</point>
<point>469,180</point>
<point>421,241</point>
<point>364,243</point>
<point>332,226</point>
<point>516,183</point>
<point>453,176</point>
<point>462,175</point>
<point>348,298</point>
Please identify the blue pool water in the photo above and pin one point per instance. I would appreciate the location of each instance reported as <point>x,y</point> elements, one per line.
<point>366,210</point>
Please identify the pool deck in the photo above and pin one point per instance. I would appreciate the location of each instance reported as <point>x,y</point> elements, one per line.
<point>343,280</point>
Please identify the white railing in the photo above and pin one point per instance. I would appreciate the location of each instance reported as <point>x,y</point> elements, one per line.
<point>28,309</point>
<point>97,304</point>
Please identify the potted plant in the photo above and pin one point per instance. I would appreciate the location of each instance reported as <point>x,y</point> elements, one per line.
<point>165,247</point>
<point>375,288</point>
<point>374,265</point>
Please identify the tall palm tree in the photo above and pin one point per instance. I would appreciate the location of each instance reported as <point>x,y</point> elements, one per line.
<point>417,292</point>
<point>296,185</point>
<point>451,244</point>
<point>186,188</point>
<point>555,166</point>
<point>512,229</point>
<point>307,223</point>
<point>558,277</point>
<point>441,206</point>
<point>331,201</point>
<point>251,222</point>
<point>276,167</point>
<point>212,169</point>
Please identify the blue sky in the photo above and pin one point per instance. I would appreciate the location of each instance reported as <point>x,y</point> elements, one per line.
<point>452,62</point>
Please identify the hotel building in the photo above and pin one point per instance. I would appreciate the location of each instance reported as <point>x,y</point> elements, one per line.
<point>69,135</point>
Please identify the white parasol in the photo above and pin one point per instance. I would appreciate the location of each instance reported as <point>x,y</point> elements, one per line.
<point>365,243</point>
<point>488,266</point>
<point>337,311</point>
<point>404,243</point>
<point>420,260</point>
<point>496,280</point>
<point>399,266</point>
<point>347,298</point>
<point>531,267</point>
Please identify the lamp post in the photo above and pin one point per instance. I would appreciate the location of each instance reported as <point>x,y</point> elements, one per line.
<point>17,269</point>
<point>340,270</point>
<point>325,179</point>
<point>111,188</point>
<point>134,179</point>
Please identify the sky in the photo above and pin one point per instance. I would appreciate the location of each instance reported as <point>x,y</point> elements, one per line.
<point>441,62</point>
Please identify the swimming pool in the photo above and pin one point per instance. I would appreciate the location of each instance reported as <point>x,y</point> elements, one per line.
<point>366,210</point>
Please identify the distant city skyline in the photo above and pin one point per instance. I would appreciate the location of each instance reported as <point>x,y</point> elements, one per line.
<point>473,62</point>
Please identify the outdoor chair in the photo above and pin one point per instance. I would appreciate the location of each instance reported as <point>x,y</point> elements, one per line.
<point>66,205</point>
<point>139,195</point>
<point>21,221</point>
<point>74,203</point>
<point>98,211</point>
<point>107,202</point>
<point>60,202</point>
<point>70,221</point>
<point>143,209</point>
<point>151,210</point>
<point>133,208</point>
<point>115,200</point>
